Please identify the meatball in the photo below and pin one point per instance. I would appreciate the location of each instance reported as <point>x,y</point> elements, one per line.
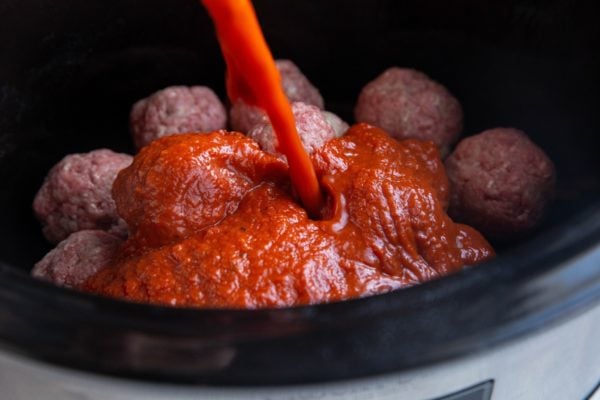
<point>296,87</point>
<point>501,182</point>
<point>183,184</point>
<point>76,195</point>
<point>408,104</point>
<point>176,109</point>
<point>313,128</point>
<point>339,126</point>
<point>77,258</point>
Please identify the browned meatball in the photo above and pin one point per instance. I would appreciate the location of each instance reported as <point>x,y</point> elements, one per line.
<point>409,105</point>
<point>76,195</point>
<point>77,258</point>
<point>176,109</point>
<point>312,126</point>
<point>501,182</point>
<point>296,86</point>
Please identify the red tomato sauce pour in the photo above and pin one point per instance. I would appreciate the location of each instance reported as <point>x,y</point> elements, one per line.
<point>253,77</point>
<point>214,222</point>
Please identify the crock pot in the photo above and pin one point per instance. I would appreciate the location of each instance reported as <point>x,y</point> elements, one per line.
<point>522,326</point>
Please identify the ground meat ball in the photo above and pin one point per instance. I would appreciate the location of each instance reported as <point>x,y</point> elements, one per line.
<point>313,128</point>
<point>76,195</point>
<point>77,258</point>
<point>243,117</point>
<point>501,182</point>
<point>407,104</point>
<point>296,87</point>
<point>176,109</point>
<point>339,126</point>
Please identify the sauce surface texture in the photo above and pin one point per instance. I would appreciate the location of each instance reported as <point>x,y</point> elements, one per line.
<point>214,223</point>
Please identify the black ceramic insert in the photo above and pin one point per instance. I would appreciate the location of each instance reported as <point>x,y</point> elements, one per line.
<point>70,71</point>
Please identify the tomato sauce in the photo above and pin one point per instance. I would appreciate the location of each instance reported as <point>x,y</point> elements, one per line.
<point>215,223</point>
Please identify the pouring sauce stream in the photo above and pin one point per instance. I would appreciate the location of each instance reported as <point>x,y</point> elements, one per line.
<point>253,77</point>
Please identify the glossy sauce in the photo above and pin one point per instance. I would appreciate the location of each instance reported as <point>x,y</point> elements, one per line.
<point>239,240</point>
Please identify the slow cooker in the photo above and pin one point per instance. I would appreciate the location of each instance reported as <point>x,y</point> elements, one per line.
<point>522,326</point>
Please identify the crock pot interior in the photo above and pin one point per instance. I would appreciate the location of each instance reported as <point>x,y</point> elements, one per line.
<point>71,71</point>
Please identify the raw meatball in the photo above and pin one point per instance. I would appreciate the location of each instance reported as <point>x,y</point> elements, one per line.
<point>501,182</point>
<point>339,125</point>
<point>408,104</point>
<point>76,195</point>
<point>313,128</point>
<point>296,87</point>
<point>176,109</point>
<point>77,258</point>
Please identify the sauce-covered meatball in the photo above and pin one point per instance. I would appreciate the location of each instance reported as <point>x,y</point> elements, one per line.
<point>501,182</point>
<point>76,195</point>
<point>246,243</point>
<point>313,128</point>
<point>77,258</point>
<point>191,181</point>
<point>176,109</point>
<point>296,87</point>
<point>408,104</point>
